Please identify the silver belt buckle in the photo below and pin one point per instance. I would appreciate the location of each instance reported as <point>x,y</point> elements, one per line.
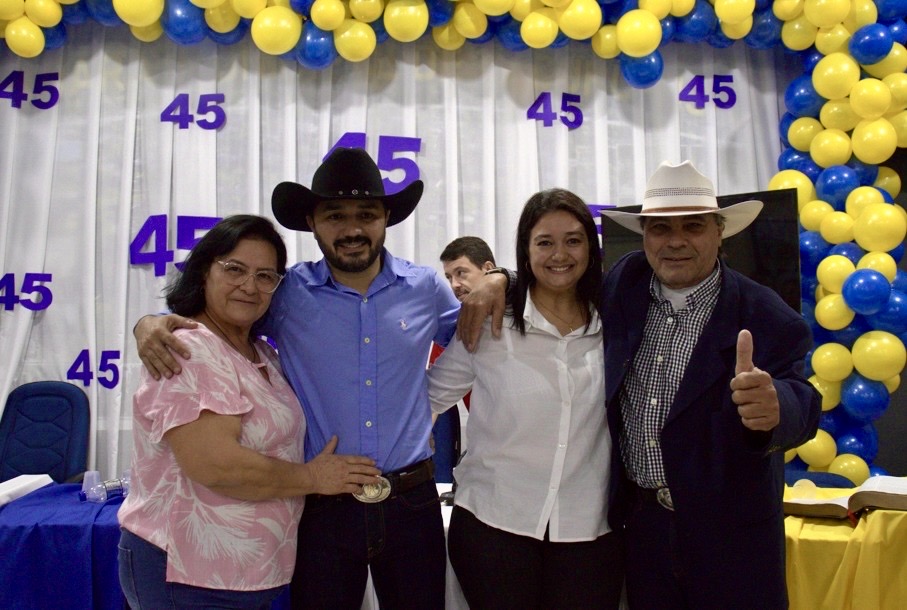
<point>374,492</point>
<point>663,495</point>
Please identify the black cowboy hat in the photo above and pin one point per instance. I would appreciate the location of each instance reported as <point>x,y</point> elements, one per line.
<point>347,173</point>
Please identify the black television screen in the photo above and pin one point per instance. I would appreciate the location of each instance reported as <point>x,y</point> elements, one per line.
<point>767,251</point>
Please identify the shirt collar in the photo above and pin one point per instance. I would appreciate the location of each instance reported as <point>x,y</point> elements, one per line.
<point>535,320</point>
<point>391,269</point>
<point>692,295</point>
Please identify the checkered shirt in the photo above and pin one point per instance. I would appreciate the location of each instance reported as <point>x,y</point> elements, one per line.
<point>648,391</point>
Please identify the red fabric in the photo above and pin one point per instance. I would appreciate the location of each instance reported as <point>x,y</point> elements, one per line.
<point>437,350</point>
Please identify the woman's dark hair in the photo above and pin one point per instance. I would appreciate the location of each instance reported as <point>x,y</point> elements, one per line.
<point>186,294</point>
<point>589,287</point>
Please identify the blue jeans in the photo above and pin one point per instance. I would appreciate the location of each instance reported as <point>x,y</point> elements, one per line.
<point>401,539</point>
<point>143,569</point>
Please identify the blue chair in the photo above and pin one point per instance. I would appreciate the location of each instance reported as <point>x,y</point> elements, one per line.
<point>44,430</point>
<point>446,433</point>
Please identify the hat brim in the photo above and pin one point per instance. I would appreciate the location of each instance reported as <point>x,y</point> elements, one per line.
<point>292,203</point>
<point>737,217</point>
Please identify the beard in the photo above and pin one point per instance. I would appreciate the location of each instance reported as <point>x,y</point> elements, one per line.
<point>355,263</point>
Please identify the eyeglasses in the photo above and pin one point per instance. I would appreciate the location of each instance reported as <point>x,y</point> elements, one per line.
<point>236,274</point>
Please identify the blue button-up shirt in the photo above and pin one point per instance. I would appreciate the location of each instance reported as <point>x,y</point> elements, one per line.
<point>357,363</point>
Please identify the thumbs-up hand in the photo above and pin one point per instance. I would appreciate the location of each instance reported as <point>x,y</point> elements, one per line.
<point>752,389</point>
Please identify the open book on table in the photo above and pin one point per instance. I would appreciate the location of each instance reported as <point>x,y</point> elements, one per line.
<point>883,492</point>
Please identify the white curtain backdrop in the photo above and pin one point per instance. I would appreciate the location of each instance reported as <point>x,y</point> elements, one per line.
<point>79,181</point>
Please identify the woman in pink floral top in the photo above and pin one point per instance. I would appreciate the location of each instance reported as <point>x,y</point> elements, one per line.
<point>217,481</point>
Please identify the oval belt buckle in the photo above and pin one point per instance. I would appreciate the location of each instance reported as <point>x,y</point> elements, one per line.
<point>374,492</point>
<point>663,495</point>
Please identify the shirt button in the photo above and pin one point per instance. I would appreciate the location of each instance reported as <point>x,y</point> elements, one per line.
<point>653,443</point>
<point>368,382</point>
<point>367,340</point>
<point>653,402</point>
<point>365,299</point>
<point>561,445</point>
<point>657,358</point>
<point>670,320</point>
<point>368,424</point>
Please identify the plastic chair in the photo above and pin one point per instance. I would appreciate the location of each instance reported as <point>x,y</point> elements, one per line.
<point>44,430</point>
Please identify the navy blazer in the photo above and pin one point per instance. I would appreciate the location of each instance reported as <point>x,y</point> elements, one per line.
<point>726,481</point>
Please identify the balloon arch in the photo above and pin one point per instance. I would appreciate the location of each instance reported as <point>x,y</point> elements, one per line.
<point>845,118</point>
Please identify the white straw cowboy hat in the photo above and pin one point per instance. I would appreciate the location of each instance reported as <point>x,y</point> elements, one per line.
<point>680,190</point>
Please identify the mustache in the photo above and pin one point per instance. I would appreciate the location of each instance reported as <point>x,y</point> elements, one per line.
<point>353,241</point>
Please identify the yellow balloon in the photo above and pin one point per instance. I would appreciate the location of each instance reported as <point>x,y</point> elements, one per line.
<point>734,11</point>
<point>737,31</point>
<point>682,8</point>
<point>247,9</point>
<point>897,85</point>
<point>892,383</point>
<point>789,455</point>
<point>831,273</point>
<point>407,20</point>
<point>494,8</point>
<point>447,37</point>
<point>366,11</point>
<point>879,355</point>
<point>894,63</point>
<point>539,29</point>
<point>556,3</point>
<point>205,4</point>
<point>792,178</point>
<point>826,13</point>
<point>820,293</point>
<point>583,18</point>
<point>881,262</point>
<point>812,213</point>
<point>850,466</point>
<point>862,12</point>
<point>222,19</point>
<point>837,114</point>
<point>860,197</point>
<point>522,8</point>
<point>24,38</point>
<point>785,10</point>
<point>798,34</point>
<point>870,98</point>
<point>10,10</point>
<point>147,33</point>
<point>832,40</point>
<point>835,75</point>
<point>832,362</point>
<point>48,13</point>
<point>328,15</point>
<point>874,140</point>
<point>802,131</point>
<point>830,391</point>
<point>889,181</point>
<point>837,228</point>
<point>833,313</point>
<point>880,227</point>
<point>276,30</point>
<point>604,42</point>
<point>659,8</point>
<point>638,33</point>
<point>830,147</point>
<point>819,451</point>
<point>899,123</point>
<point>469,20</point>
<point>355,41</point>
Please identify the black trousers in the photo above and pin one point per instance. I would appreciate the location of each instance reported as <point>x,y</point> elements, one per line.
<point>499,570</point>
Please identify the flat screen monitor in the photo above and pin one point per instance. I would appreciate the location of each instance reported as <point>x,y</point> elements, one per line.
<point>767,251</point>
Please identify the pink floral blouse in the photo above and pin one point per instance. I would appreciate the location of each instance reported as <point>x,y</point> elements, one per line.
<point>211,540</point>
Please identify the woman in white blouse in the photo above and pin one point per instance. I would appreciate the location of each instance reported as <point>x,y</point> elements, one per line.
<point>529,527</point>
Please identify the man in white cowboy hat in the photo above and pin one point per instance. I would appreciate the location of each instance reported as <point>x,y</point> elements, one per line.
<point>704,391</point>
<point>354,330</point>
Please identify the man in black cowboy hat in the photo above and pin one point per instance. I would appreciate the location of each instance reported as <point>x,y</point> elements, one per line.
<point>704,391</point>
<point>354,330</point>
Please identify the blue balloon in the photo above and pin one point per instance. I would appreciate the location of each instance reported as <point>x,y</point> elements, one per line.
<point>864,399</point>
<point>893,317</point>
<point>790,158</point>
<point>813,248</point>
<point>898,30</point>
<point>870,44</point>
<point>439,12</point>
<point>899,282</point>
<point>848,335</point>
<point>508,35</point>
<point>719,40</point>
<point>766,30</point>
<point>837,422</point>
<point>835,183</point>
<point>809,58</point>
<point>878,471</point>
<point>103,12</point>
<point>696,25</point>
<point>233,36</point>
<point>488,34</point>
<point>787,119</point>
<point>890,10</point>
<point>304,7</point>
<point>761,5</point>
<point>668,30</point>
<point>849,249</point>
<point>183,22</point>
<point>561,40</point>
<point>54,37</point>
<point>381,34</point>
<point>796,465</point>
<point>315,49</point>
<point>808,285</point>
<point>866,173</point>
<point>801,98</point>
<point>75,14</point>
<point>866,291</point>
<point>821,335</point>
<point>641,72</point>
<point>897,253</point>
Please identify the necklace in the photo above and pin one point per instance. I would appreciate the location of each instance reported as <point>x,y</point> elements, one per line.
<point>253,359</point>
<point>568,322</point>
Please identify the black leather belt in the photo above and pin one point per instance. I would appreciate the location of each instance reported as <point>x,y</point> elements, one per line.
<point>400,481</point>
<point>660,496</point>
